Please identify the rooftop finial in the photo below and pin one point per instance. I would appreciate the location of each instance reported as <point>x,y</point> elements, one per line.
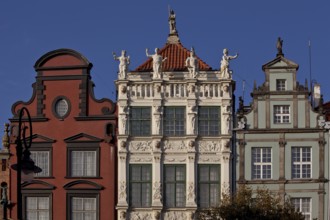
<point>173,37</point>
<point>172,22</point>
<point>279,45</point>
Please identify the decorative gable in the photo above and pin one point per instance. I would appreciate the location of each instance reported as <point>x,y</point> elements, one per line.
<point>280,62</point>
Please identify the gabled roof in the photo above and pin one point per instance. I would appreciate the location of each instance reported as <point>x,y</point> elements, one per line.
<point>176,55</point>
<point>280,62</point>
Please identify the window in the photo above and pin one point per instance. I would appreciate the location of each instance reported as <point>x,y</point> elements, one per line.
<point>261,163</point>
<point>280,85</point>
<point>304,206</point>
<point>281,114</point>
<point>83,163</point>
<point>209,121</point>
<point>175,185</point>
<point>301,162</point>
<point>208,185</point>
<point>37,208</point>
<point>140,121</point>
<point>174,121</point>
<point>83,208</point>
<point>61,107</point>
<point>41,159</point>
<point>140,185</point>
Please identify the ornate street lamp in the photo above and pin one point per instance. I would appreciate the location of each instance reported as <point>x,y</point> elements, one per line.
<point>25,166</point>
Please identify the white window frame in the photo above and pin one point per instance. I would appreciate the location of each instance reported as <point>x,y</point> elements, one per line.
<point>280,86</point>
<point>282,114</point>
<point>302,163</point>
<point>258,167</point>
<point>38,160</point>
<point>301,204</point>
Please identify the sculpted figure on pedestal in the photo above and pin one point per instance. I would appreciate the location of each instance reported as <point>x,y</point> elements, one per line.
<point>224,64</point>
<point>172,22</point>
<point>279,46</point>
<point>157,61</point>
<point>192,64</point>
<point>124,61</point>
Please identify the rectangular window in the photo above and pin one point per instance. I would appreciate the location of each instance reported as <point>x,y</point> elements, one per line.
<point>83,163</point>
<point>280,85</point>
<point>209,121</point>
<point>208,185</point>
<point>37,208</point>
<point>301,162</point>
<point>303,205</point>
<point>140,185</point>
<point>140,121</point>
<point>174,121</point>
<point>41,159</point>
<point>175,185</point>
<point>281,114</point>
<point>83,208</point>
<point>261,163</point>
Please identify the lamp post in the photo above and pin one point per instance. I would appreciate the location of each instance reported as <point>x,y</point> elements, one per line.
<point>25,166</point>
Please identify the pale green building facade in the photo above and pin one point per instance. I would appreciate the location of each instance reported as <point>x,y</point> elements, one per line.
<point>280,144</point>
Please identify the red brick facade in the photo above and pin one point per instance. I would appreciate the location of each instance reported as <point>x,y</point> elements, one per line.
<point>73,141</point>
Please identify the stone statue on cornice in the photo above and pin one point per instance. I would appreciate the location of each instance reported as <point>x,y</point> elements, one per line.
<point>157,61</point>
<point>124,61</point>
<point>224,64</point>
<point>192,64</point>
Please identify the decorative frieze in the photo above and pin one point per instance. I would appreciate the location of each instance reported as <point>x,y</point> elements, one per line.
<point>141,216</point>
<point>175,159</point>
<point>136,159</point>
<point>175,146</point>
<point>143,146</point>
<point>175,215</point>
<point>209,146</point>
<point>208,159</point>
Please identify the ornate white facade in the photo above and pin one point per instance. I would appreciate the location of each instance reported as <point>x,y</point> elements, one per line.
<point>175,87</point>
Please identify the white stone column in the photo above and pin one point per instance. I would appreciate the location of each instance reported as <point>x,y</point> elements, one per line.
<point>191,175</point>
<point>122,180</point>
<point>157,190</point>
<point>225,167</point>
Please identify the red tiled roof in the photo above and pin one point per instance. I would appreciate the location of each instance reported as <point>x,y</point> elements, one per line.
<point>176,56</point>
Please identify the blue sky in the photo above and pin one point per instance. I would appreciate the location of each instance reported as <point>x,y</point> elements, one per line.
<point>29,29</point>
